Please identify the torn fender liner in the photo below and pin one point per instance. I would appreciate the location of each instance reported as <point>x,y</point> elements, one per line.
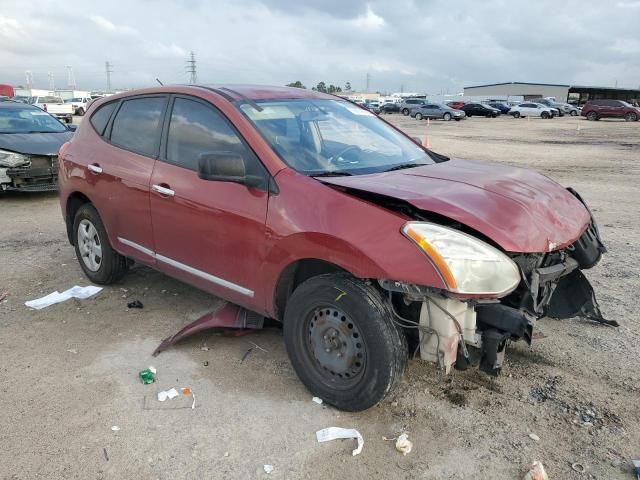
<point>229,316</point>
<point>573,297</point>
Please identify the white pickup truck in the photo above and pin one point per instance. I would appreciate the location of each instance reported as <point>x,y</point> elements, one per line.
<point>54,106</point>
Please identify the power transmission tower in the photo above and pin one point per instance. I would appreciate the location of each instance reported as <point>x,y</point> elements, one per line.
<point>191,68</point>
<point>108,69</point>
<point>28,75</point>
<point>52,81</point>
<point>368,81</point>
<point>71,79</point>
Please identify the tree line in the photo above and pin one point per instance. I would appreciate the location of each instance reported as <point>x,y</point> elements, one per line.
<point>322,87</point>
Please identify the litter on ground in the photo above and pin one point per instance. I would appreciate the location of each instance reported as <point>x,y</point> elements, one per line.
<point>268,468</point>
<point>135,304</point>
<point>80,293</point>
<point>536,472</point>
<point>317,400</point>
<point>168,394</point>
<point>403,444</point>
<point>115,428</point>
<point>147,376</point>
<point>333,433</point>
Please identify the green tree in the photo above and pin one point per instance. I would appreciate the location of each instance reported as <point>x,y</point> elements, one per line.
<point>333,89</point>
<point>321,87</point>
<point>296,84</point>
<point>347,86</point>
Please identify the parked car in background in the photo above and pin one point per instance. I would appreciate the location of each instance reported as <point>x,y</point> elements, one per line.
<point>503,107</point>
<point>557,107</point>
<point>408,103</point>
<point>390,107</point>
<point>211,186</point>
<point>456,105</point>
<point>54,106</point>
<point>29,144</point>
<point>80,104</point>
<point>435,110</point>
<point>373,106</point>
<point>480,110</point>
<point>568,109</point>
<point>530,109</point>
<point>597,109</point>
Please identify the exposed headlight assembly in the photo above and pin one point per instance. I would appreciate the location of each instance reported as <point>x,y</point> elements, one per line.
<point>466,264</point>
<point>11,159</point>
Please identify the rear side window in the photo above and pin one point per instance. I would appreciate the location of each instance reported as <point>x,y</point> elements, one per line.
<point>101,116</point>
<point>196,128</point>
<point>136,126</point>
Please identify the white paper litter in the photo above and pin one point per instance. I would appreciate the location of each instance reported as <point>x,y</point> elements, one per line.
<point>169,394</point>
<point>115,428</point>
<point>268,468</point>
<point>318,400</point>
<point>403,444</point>
<point>333,433</point>
<point>80,293</point>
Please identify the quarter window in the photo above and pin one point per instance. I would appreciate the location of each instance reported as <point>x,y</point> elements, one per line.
<point>100,117</point>
<point>196,128</point>
<point>137,125</point>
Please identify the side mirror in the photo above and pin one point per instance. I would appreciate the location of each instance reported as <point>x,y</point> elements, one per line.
<point>228,167</point>
<point>71,127</point>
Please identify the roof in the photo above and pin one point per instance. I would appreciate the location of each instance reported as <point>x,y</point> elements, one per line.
<point>520,83</point>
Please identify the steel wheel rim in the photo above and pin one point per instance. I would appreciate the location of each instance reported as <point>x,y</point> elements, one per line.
<point>335,347</point>
<point>89,245</point>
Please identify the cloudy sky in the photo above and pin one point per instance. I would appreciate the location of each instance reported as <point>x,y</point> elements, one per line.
<point>428,46</point>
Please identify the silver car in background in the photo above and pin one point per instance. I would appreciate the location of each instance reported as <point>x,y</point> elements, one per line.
<point>437,110</point>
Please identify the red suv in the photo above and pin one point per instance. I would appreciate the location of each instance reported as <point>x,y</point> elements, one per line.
<point>597,109</point>
<point>306,208</point>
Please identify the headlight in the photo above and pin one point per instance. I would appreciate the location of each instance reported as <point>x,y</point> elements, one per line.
<point>11,159</point>
<point>466,264</point>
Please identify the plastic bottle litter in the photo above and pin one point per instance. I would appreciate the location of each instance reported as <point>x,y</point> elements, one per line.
<point>403,444</point>
<point>332,433</point>
<point>147,376</point>
<point>317,400</point>
<point>536,472</point>
<point>268,468</point>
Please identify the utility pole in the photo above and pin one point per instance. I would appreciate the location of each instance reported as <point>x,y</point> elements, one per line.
<point>108,69</point>
<point>71,80</point>
<point>368,81</point>
<point>28,75</point>
<point>191,68</point>
<point>52,82</point>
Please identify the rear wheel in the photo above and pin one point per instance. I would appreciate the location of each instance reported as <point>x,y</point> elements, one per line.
<point>418,116</point>
<point>405,111</point>
<point>516,114</point>
<point>99,261</point>
<point>631,117</point>
<point>342,342</point>
<point>446,116</point>
<point>592,116</point>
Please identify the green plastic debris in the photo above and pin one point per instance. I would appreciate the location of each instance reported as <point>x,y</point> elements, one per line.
<point>147,376</point>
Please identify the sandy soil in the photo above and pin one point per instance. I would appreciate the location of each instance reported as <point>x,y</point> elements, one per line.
<point>68,373</point>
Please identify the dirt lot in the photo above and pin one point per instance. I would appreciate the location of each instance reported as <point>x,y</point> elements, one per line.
<point>68,373</point>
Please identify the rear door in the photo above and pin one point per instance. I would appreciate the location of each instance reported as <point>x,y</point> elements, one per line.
<point>208,233</point>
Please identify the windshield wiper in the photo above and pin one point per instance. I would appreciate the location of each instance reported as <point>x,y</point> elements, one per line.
<point>402,166</point>
<point>331,174</point>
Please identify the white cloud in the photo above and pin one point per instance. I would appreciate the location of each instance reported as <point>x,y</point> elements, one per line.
<point>108,26</point>
<point>369,20</point>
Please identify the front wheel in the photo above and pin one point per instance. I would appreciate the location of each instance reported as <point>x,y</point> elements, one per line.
<point>342,341</point>
<point>446,116</point>
<point>80,111</point>
<point>99,261</point>
<point>592,116</point>
<point>573,113</point>
<point>631,117</point>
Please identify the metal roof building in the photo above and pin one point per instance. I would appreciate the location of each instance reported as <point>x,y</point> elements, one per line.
<point>573,93</point>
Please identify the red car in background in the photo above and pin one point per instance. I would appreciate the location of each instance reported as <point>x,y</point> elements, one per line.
<point>456,105</point>
<point>306,208</point>
<point>597,109</point>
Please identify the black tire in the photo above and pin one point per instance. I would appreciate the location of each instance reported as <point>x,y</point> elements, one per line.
<point>573,113</point>
<point>516,114</point>
<point>592,116</point>
<point>544,115</point>
<point>341,314</point>
<point>630,117</point>
<point>80,111</point>
<point>405,111</point>
<point>418,116</point>
<point>112,266</point>
<point>446,116</point>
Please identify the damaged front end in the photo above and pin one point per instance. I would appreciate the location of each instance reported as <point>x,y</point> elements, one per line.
<point>475,331</point>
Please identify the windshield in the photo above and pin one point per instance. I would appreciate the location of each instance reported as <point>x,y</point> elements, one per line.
<point>75,99</point>
<point>328,137</point>
<point>27,120</point>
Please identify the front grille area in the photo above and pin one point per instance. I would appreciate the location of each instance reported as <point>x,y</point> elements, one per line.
<point>40,174</point>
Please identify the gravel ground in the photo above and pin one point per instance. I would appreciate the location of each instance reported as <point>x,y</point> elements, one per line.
<point>69,372</point>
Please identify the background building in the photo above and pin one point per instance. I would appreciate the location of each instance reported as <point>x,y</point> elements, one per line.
<point>572,93</point>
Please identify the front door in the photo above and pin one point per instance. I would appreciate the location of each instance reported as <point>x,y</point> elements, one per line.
<point>209,233</point>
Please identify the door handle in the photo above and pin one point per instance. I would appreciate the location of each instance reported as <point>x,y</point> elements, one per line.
<point>95,168</point>
<point>163,190</point>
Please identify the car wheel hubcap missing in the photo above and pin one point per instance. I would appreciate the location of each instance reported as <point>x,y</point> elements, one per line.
<point>89,245</point>
<point>336,346</point>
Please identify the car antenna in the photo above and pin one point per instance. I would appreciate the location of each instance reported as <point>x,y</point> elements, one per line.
<point>158,80</point>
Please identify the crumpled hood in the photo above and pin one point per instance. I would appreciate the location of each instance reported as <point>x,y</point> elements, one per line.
<point>521,210</point>
<point>34,143</point>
